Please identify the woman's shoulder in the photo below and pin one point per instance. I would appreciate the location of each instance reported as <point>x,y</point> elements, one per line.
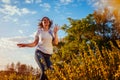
<point>50,30</point>
<point>40,30</point>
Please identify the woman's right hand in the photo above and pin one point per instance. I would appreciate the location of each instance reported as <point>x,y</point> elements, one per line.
<point>21,45</point>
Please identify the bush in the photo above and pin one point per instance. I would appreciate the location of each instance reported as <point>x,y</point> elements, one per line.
<point>98,65</point>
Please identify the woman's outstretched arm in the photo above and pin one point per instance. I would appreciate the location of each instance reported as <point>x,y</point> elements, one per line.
<point>55,41</point>
<point>33,44</point>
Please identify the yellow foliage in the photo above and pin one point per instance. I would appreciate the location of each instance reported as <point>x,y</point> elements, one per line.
<point>98,65</point>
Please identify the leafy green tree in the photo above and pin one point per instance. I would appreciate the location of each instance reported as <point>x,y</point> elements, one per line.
<point>97,27</point>
<point>79,34</point>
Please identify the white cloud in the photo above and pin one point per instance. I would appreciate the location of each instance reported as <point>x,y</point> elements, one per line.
<point>14,10</point>
<point>16,2</point>
<point>66,1</point>
<point>28,1</point>
<point>6,1</point>
<point>98,3</point>
<point>25,11</point>
<point>33,35</point>
<point>38,1</point>
<point>10,10</point>
<point>15,20</point>
<point>57,7</point>
<point>32,1</point>
<point>20,31</point>
<point>6,18</point>
<point>10,52</point>
<point>10,43</point>
<point>63,3</point>
<point>101,4</point>
<point>5,43</point>
<point>46,6</point>
<point>26,23</point>
<point>19,39</point>
<point>33,12</point>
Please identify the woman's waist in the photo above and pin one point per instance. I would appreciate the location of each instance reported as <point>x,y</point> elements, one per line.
<point>46,50</point>
<point>43,52</point>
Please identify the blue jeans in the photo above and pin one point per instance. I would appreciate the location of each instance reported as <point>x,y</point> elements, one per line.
<point>43,61</point>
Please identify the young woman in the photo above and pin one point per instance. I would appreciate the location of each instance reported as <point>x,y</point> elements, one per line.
<point>45,38</point>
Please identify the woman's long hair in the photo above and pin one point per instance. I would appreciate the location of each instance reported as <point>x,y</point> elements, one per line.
<point>41,25</point>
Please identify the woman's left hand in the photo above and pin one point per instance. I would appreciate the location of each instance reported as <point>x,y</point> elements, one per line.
<point>56,28</point>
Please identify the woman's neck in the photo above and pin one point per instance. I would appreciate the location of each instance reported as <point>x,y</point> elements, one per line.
<point>46,28</point>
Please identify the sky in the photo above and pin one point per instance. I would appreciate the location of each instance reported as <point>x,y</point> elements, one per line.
<point>19,20</point>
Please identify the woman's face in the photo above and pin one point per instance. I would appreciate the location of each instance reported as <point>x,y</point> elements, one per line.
<point>45,22</point>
